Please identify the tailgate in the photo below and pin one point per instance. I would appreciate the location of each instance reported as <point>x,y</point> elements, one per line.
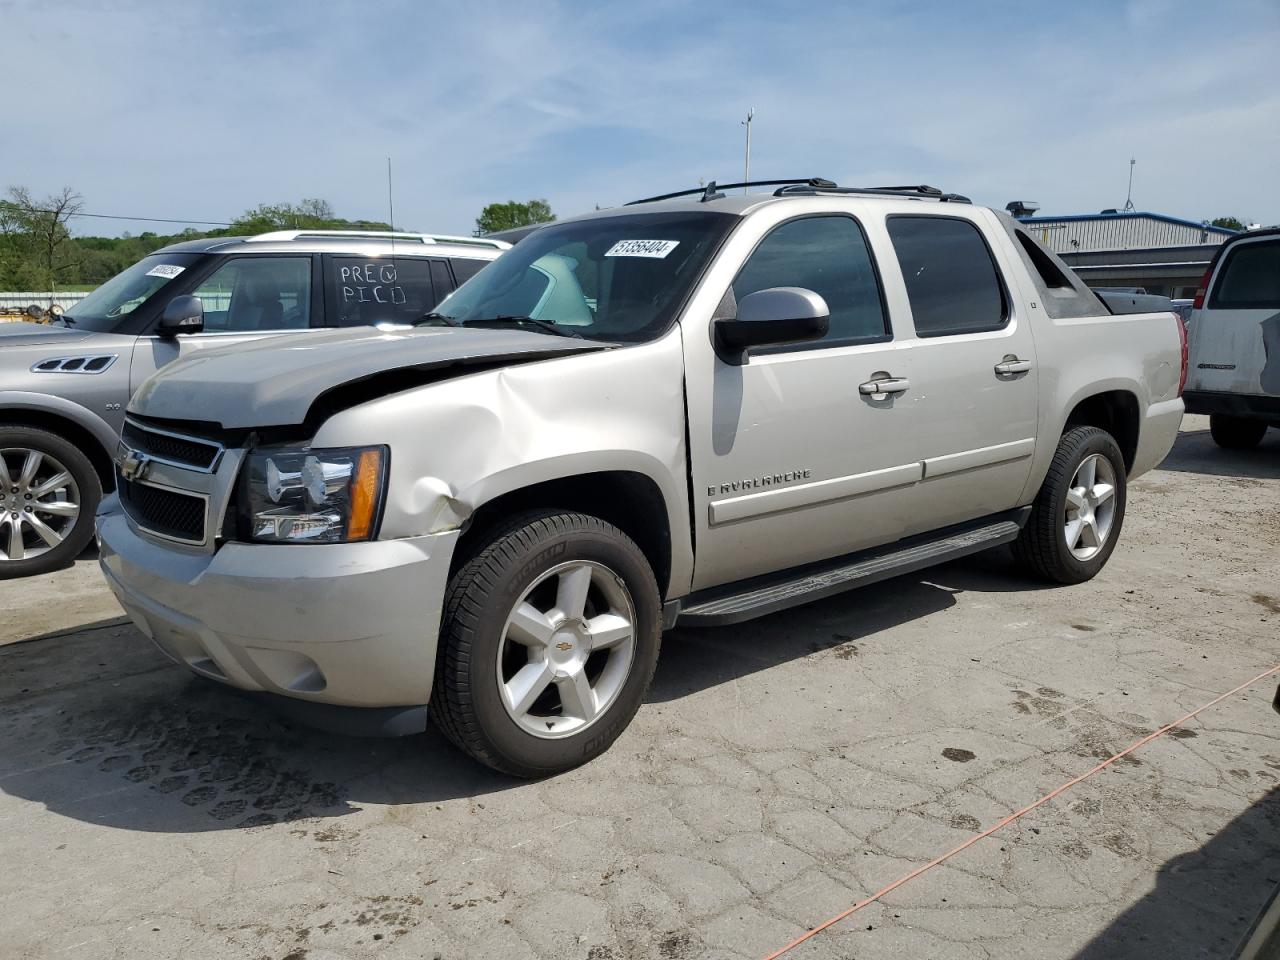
<point>1235,335</point>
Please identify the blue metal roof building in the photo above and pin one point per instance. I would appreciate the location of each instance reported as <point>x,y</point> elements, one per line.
<point>1122,231</point>
<point>1150,251</point>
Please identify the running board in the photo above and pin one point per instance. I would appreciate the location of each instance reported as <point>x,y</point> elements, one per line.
<point>844,573</point>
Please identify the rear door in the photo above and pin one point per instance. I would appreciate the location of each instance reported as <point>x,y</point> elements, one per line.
<point>244,298</point>
<point>1235,336</point>
<point>368,291</point>
<point>974,397</point>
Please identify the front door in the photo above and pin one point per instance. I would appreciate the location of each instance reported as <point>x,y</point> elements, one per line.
<point>245,298</point>
<point>791,461</point>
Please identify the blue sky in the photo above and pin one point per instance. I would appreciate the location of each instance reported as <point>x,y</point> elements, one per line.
<point>203,108</point>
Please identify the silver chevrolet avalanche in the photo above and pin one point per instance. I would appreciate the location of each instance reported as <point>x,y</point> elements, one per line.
<point>695,410</point>
<point>64,386</point>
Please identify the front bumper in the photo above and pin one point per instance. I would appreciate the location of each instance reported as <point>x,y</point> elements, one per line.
<point>353,625</point>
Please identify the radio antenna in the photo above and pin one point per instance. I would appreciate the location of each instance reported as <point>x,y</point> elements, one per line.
<point>1128,200</point>
<point>391,209</point>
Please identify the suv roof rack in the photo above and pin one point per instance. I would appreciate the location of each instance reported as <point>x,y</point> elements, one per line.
<point>915,192</point>
<point>811,187</point>
<point>712,191</point>
<point>281,235</point>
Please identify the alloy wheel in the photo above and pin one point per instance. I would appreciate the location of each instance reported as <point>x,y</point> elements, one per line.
<point>566,649</point>
<point>1091,507</point>
<point>39,503</point>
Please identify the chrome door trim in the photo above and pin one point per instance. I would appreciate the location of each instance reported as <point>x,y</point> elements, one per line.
<point>980,457</point>
<point>813,494</point>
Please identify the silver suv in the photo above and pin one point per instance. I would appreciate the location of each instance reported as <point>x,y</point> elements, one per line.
<point>695,410</point>
<point>64,386</point>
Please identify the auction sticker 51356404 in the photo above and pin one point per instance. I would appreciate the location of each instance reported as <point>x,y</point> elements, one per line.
<point>642,248</point>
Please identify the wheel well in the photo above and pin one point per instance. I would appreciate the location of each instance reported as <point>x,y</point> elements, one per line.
<point>630,501</point>
<point>84,440</point>
<point>1116,412</point>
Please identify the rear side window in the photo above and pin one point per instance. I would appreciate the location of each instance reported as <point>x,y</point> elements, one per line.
<point>951,279</point>
<point>1250,278</point>
<point>369,291</point>
<point>829,256</point>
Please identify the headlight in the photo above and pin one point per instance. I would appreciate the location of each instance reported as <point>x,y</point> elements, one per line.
<point>313,496</point>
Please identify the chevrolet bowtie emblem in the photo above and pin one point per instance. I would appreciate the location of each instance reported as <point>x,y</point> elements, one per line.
<point>564,646</point>
<point>133,465</point>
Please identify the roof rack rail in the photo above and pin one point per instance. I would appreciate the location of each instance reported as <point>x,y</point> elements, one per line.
<point>282,235</point>
<point>712,190</point>
<point>916,192</point>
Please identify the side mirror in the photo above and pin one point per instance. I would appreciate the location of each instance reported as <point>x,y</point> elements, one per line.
<point>183,314</point>
<point>775,315</point>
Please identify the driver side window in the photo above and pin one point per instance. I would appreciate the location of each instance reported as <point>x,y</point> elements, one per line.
<point>258,293</point>
<point>828,255</point>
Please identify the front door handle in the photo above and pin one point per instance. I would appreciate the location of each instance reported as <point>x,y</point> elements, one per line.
<point>1011,365</point>
<point>883,386</point>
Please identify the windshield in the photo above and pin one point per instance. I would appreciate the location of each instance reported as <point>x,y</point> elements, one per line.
<point>608,278</point>
<point>102,310</point>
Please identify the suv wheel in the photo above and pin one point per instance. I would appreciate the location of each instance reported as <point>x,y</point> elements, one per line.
<point>549,641</point>
<point>49,493</point>
<point>1236,433</point>
<point>1076,518</point>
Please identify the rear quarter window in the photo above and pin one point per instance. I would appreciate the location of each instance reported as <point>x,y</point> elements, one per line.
<point>1249,278</point>
<point>464,268</point>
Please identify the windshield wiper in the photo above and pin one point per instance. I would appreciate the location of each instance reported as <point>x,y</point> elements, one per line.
<point>434,319</point>
<point>509,320</point>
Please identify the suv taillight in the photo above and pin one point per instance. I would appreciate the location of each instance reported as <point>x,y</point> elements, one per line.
<point>1184,349</point>
<point>1202,289</point>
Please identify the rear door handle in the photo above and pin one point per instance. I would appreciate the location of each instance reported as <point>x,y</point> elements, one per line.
<point>1010,365</point>
<point>884,386</point>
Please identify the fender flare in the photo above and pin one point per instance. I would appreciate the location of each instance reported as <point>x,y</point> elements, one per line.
<point>45,403</point>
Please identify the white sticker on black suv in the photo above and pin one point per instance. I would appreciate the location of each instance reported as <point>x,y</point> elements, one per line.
<point>642,248</point>
<point>169,270</point>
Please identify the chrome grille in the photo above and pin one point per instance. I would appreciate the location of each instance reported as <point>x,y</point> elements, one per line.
<point>178,516</point>
<point>171,447</point>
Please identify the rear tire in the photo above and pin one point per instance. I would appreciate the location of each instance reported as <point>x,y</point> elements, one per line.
<point>549,640</point>
<point>1076,517</point>
<point>38,532</point>
<point>1236,433</point>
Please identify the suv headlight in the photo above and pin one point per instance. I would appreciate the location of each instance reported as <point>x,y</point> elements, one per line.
<point>294,495</point>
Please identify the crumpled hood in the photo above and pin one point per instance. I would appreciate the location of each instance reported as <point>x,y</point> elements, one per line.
<point>274,381</point>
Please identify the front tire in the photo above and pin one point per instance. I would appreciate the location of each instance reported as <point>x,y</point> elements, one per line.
<point>1236,433</point>
<point>1077,515</point>
<point>49,493</point>
<point>549,641</point>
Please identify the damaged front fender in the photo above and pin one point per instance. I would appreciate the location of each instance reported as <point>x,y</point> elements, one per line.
<point>461,443</point>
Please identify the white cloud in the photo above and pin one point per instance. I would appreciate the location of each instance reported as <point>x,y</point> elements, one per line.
<point>203,109</point>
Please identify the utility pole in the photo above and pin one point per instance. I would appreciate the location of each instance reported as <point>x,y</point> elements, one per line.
<point>1128,200</point>
<point>746,165</point>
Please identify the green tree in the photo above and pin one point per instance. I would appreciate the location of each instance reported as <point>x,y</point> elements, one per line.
<point>1231,223</point>
<point>310,214</point>
<point>38,251</point>
<point>512,214</point>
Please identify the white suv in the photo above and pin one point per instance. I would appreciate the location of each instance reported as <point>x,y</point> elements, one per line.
<point>1234,334</point>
